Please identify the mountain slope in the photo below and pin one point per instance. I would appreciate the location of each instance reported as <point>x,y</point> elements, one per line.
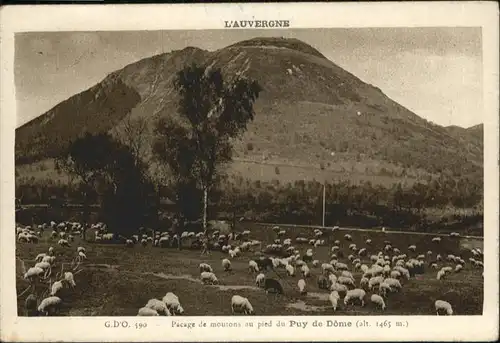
<point>311,113</point>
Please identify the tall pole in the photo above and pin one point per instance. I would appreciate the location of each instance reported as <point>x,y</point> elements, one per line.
<point>324,188</point>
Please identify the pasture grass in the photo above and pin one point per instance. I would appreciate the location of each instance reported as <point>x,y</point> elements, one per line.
<point>117,281</point>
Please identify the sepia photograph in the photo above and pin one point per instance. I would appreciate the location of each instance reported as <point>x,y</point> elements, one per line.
<point>250,169</point>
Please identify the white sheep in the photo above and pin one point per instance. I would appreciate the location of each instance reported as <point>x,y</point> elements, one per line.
<point>395,274</point>
<point>260,279</point>
<point>347,237</point>
<point>340,288</point>
<point>56,287</point>
<point>82,249</point>
<point>305,271</point>
<point>205,267</point>
<point>393,283</point>
<point>458,268</point>
<point>302,286</point>
<point>32,272</point>
<point>290,270</point>
<point>353,294</point>
<point>49,304</point>
<point>440,274</point>
<point>226,264</point>
<point>63,243</point>
<point>345,281</point>
<point>159,306</point>
<point>173,304</point>
<point>364,282</point>
<point>442,305</point>
<point>48,259</point>
<point>374,281</point>
<point>240,304</point>
<point>147,312</point>
<point>40,257</point>
<point>209,278</point>
<point>81,256</point>
<point>334,298</point>
<point>68,277</point>
<point>332,278</point>
<point>378,300</point>
<point>253,266</point>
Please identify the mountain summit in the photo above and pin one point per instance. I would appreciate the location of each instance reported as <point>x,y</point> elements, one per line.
<point>311,113</point>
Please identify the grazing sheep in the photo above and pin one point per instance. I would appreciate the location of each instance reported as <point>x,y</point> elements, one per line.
<point>40,257</point>
<point>334,298</point>
<point>364,282</point>
<point>305,271</point>
<point>242,305</point>
<point>272,284</point>
<point>130,243</point>
<point>443,306</point>
<point>209,278</point>
<point>159,306</point>
<point>56,287</point>
<point>383,288</point>
<point>378,300</point>
<point>49,305</point>
<point>302,286</point>
<point>260,279</point>
<point>82,249</point>
<point>253,266</point>
<point>63,243</point>
<point>81,256</point>
<point>173,304</point>
<point>332,278</point>
<point>205,267</point>
<point>315,263</point>
<point>458,268</point>
<point>395,274</point>
<point>226,264</point>
<point>348,237</point>
<point>374,281</point>
<point>32,272</point>
<point>147,312</point>
<point>68,277</point>
<point>393,283</point>
<point>339,288</point>
<point>327,268</point>
<point>48,259</point>
<point>440,274</point>
<point>345,281</point>
<point>354,294</point>
<point>290,270</point>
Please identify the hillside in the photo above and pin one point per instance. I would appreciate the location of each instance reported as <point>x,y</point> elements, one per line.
<point>311,114</point>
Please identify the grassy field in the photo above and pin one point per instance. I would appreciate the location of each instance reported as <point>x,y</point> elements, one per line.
<point>117,281</point>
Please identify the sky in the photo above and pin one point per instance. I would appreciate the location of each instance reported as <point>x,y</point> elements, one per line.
<point>435,72</point>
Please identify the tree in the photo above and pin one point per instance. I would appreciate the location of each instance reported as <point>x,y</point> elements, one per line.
<point>99,160</point>
<point>213,111</point>
<point>87,158</point>
<point>134,132</point>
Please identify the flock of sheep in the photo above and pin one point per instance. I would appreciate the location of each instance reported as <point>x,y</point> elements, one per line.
<point>40,274</point>
<point>387,271</point>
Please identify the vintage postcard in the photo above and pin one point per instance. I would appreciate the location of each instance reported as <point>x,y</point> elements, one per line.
<point>250,172</point>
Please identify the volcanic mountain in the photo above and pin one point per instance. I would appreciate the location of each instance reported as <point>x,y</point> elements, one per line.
<point>311,117</point>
